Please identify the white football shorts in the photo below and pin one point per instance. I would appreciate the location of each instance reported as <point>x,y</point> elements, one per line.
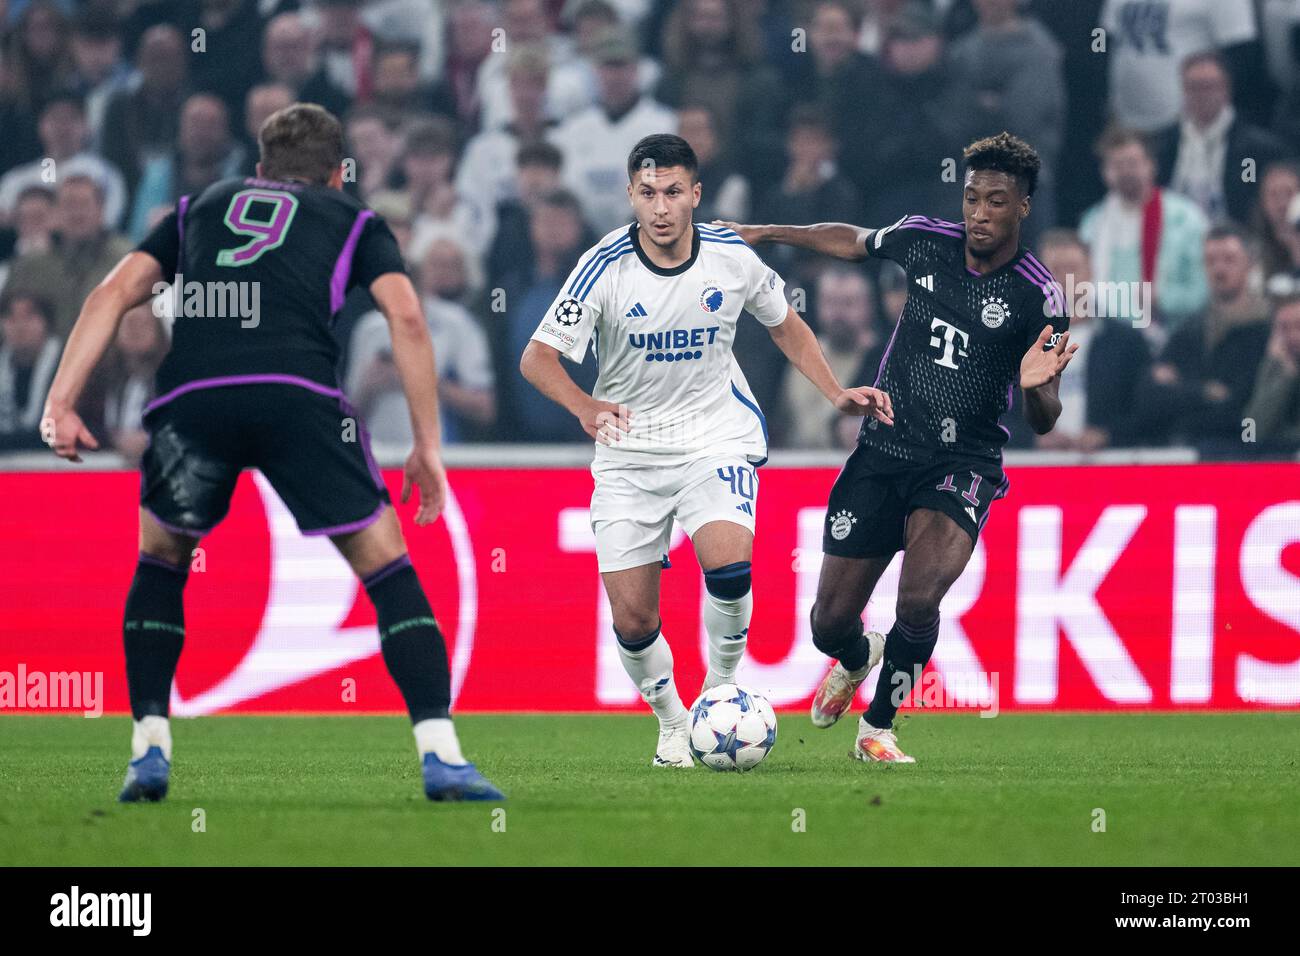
<point>633,506</point>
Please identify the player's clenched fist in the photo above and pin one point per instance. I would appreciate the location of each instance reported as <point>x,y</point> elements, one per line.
<point>866,401</point>
<point>606,422</point>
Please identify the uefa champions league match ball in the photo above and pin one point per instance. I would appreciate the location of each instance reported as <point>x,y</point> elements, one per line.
<point>732,728</point>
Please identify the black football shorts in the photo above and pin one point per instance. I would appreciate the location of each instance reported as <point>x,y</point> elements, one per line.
<point>299,437</point>
<point>874,494</point>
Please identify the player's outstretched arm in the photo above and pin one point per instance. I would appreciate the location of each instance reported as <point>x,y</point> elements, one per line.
<point>838,239</point>
<point>794,338</point>
<point>131,283</point>
<point>413,356</point>
<point>1040,379</point>
<point>603,421</point>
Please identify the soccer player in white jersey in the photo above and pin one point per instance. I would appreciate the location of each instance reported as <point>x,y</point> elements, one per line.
<point>678,432</point>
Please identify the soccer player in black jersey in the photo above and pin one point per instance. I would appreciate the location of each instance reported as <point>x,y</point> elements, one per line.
<point>262,266</point>
<point>981,312</point>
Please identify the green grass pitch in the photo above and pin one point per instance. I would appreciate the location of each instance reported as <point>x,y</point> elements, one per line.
<point>1200,789</point>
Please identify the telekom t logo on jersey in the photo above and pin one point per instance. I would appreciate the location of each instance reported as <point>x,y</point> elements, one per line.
<point>946,340</point>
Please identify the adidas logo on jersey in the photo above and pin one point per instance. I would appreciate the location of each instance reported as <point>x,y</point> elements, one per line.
<point>926,282</point>
<point>636,312</point>
<point>971,512</point>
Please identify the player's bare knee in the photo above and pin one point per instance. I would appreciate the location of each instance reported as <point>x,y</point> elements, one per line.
<point>634,627</point>
<point>832,628</point>
<point>917,607</point>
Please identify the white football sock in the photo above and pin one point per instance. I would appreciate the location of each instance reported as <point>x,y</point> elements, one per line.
<point>153,731</point>
<point>723,620</point>
<point>437,736</point>
<point>651,669</point>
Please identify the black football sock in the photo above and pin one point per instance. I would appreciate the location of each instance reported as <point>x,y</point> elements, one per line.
<point>412,644</point>
<point>907,651</point>
<point>850,648</point>
<point>153,632</point>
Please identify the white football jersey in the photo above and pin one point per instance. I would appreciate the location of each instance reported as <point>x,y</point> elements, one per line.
<point>663,341</point>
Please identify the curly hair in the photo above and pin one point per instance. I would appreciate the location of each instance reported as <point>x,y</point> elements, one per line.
<point>1008,154</point>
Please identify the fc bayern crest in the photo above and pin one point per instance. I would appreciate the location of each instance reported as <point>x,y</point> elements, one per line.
<point>711,298</point>
<point>994,313</point>
<point>569,312</point>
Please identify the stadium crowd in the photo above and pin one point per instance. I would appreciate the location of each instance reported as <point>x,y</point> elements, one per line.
<point>493,136</point>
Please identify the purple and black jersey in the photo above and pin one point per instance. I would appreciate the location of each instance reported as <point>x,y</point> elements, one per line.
<point>291,251</point>
<point>955,353</point>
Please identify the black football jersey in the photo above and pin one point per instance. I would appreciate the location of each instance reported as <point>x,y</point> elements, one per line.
<point>259,270</point>
<point>955,353</point>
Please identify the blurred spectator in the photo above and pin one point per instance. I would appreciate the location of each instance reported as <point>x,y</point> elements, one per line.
<point>64,139</point>
<point>465,381</point>
<point>230,60</point>
<point>877,21</point>
<point>1275,405</point>
<point>263,100</point>
<point>428,164</point>
<point>29,354</point>
<point>912,126</point>
<point>1098,409</point>
<point>396,84</point>
<point>589,20</point>
<point>346,46</point>
<point>101,70</point>
<point>290,56</point>
<point>724,192</point>
<point>470,41</point>
<point>1142,234</point>
<point>558,238</point>
<point>1273,220</point>
<point>596,141</point>
<point>812,190</point>
<point>124,383</point>
<point>140,124</point>
<point>205,152</point>
<point>35,63</point>
<point>839,79</point>
<point>1008,70</point>
<point>487,172</point>
<point>1209,153</point>
<point>373,139</point>
<point>537,175</point>
<point>84,251</point>
<point>714,54</point>
<point>850,338</point>
<point>31,230</point>
<point>568,87</point>
<point>1148,40</point>
<point>1206,372</point>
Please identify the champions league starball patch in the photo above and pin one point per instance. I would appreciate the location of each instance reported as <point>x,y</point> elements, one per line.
<point>569,312</point>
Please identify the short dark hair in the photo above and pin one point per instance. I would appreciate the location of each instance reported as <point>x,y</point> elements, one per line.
<point>539,153</point>
<point>563,199</point>
<point>41,303</point>
<point>1008,154</point>
<point>663,151</point>
<point>1117,137</point>
<point>431,134</point>
<point>1231,230</point>
<point>303,141</point>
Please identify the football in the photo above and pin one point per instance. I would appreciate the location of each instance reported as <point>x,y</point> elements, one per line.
<point>732,728</point>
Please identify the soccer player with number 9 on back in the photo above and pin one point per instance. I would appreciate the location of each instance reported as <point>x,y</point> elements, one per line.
<point>256,388</point>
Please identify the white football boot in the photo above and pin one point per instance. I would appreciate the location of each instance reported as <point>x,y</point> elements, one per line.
<point>875,743</point>
<point>674,748</point>
<point>838,687</point>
